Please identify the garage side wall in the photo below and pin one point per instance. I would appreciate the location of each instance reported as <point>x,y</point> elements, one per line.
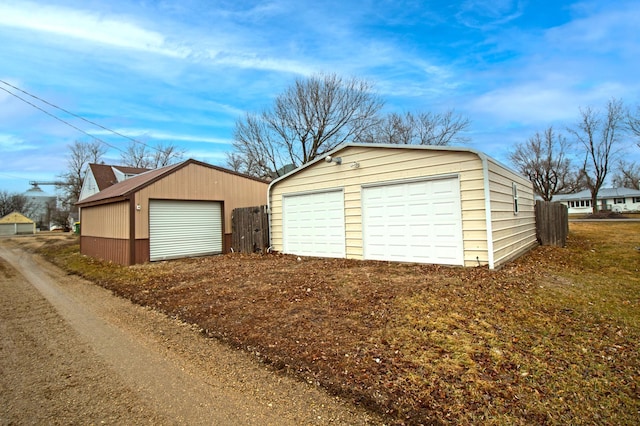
<point>514,232</point>
<point>105,232</point>
<point>389,165</point>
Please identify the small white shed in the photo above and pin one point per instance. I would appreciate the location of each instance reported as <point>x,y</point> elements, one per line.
<point>424,204</point>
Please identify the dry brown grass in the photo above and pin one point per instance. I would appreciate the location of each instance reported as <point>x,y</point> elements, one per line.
<point>552,338</point>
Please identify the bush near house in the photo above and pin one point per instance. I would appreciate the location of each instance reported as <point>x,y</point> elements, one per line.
<point>551,338</point>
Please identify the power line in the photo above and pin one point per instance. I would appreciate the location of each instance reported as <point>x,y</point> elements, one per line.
<point>60,119</point>
<point>74,115</point>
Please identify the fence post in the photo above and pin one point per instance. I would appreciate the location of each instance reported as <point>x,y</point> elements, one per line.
<point>250,229</point>
<point>552,223</point>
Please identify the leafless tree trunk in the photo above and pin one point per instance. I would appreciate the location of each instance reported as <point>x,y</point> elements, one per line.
<point>543,159</point>
<point>80,155</point>
<point>598,134</point>
<point>309,119</point>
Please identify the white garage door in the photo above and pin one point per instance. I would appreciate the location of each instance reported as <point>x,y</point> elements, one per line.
<point>413,222</point>
<point>313,224</point>
<point>184,229</point>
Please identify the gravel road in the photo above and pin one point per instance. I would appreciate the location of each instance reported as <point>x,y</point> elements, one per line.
<point>72,353</point>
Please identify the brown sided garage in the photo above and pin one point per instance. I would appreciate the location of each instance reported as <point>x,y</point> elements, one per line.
<point>182,210</point>
<point>424,204</point>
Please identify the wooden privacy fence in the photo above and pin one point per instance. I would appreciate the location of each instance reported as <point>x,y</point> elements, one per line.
<point>250,229</point>
<point>552,223</point>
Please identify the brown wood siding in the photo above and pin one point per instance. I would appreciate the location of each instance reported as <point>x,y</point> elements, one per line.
<point>105,221</point>
<point>389,164</point>
<point>196,182</point>
<point>111,249</point>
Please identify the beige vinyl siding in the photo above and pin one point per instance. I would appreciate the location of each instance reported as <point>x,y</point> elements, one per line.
<point>512,233</point>
<point>106,221</point>
<point>195,182</point>
<point>389,165</point>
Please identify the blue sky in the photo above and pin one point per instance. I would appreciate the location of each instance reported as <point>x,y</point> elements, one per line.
<point>183,71</point>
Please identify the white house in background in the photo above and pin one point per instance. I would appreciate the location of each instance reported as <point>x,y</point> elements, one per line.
<point>613,199</point>
<point>102,176</point>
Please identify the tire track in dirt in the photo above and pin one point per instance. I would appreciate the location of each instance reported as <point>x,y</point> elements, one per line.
<point>156,369</point>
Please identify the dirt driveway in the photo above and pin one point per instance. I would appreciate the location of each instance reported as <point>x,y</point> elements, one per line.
<point>72,353</point>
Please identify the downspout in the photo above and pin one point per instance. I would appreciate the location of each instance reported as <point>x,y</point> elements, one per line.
<point>269,213</point>
<point>487,208</point>
<point>132,230</point>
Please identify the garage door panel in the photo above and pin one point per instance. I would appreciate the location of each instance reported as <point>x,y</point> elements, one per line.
<point>179,228</point>
<point>313,224</point>
<point>413,221</point>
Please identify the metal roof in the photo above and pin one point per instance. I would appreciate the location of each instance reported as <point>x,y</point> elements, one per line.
<point>346,145</point>
<point>604,193</point>
<point>124,189</point>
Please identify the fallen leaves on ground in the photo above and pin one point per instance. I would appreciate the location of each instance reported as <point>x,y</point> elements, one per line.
<point>549,339</point>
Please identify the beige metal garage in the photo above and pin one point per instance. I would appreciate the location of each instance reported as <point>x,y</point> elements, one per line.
<point>425,204</point>
<point>182,210</point>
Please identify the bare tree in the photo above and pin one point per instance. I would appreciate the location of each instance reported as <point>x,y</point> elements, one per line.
<point>395,128</point>
<point>425,128</point>
<point>140,154</point>
<point>441,129</point>
<point>627,175</point>
<point>135,155</point>
<point>235,162</point>
<point>15,202</point>
<point>164,155</point>
<point>309,119</point>
<point>259,152</point>
<point>598,134</point>
<point>80,155</point>
<point>543,159</point>
<point>633,123</point>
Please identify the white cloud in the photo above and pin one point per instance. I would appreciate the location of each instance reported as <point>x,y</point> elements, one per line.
<point>526,103</point>
<point>119,31</point>
<point>608,30</point>
<point>483,14</point>
<point>87,26</point>
<point>540,104</point>
<point>254,61</point>
<point>11,143</point>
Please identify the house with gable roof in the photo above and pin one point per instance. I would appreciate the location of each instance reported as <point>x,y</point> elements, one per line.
<point>102,176</point>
